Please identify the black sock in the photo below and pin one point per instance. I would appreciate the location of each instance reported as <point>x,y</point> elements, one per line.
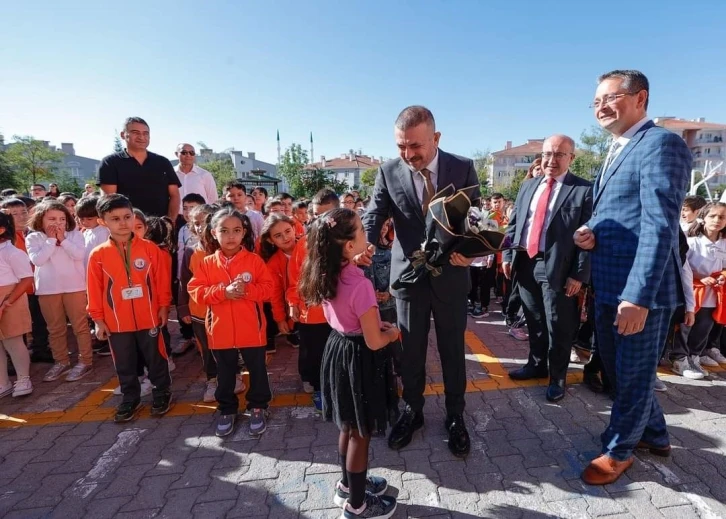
<point>343,472</point>
<point>357,488</point>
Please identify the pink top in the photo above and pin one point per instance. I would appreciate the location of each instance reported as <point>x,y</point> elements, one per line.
<point>354,298</point>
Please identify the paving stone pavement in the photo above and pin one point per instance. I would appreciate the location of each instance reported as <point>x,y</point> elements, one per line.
<point>526,455</point>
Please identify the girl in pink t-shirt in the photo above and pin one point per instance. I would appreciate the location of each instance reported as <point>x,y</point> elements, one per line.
<point>358,387</point>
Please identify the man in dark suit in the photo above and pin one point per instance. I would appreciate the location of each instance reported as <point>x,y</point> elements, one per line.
<point>403,190</point>
<point>548,210</point>
<point>633,236</point>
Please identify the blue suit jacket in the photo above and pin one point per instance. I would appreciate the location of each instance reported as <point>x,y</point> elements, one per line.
<point>635,220</point>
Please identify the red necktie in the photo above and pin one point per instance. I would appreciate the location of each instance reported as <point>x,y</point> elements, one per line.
<point>539,219</point>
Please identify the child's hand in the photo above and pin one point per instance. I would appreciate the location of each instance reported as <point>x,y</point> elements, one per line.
<point>709,281</point>
<point>382,297</point>
<point>163,316</point>
<point>233,291</point>
<point>689,319</point>
<point>102,332</point>
<point>393,333</point>
<point>59,234</point>
<point>187,319</point>
<point>294,314</point>
<point>283,327</point>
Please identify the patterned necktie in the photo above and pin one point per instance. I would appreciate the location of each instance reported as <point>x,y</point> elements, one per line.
<point>614,147</point>
<point>428,191</point>
<point>539,219</point>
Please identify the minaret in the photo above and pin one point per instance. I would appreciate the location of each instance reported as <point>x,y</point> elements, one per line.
<point>278,147</point>
<point>312,152</point>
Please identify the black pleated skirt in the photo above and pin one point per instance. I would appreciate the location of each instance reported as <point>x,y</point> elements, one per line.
<point>359,389</point>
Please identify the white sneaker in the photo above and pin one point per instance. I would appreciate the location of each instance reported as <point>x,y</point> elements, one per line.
<point>79,371</point>
<point>705,360</point>
<point>659,385</point>
<point>683,368</point>
<point>239,385</point>
<point>574,357</point>
<point>172,366</point>
<point>308,388</point>
<point>696,364</point>
<point>716,355</point>
<point>22,387</point>
<point>210,390</point>
<point>146,386</point>
<point>6,389</point>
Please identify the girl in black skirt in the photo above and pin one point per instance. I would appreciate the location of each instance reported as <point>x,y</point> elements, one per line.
<point>358,387</point>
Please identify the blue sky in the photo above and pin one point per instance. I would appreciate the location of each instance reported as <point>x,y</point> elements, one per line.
<point>232,73</point>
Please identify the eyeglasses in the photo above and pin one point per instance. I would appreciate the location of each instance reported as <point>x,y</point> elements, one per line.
<point>609,99</point>
<point>559,155</point>
<point>185,152</point>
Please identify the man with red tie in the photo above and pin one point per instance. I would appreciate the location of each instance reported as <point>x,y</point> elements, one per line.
<point>551,270</point>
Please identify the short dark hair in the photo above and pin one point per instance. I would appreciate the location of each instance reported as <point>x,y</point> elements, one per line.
<point>285,196</point>
<point>694,202</point>
<point>412,116</point>
<point>28,201</point>
<point>326,196</point>
<point>36,221</point>
<point>108,203</point>
<point>497,196</point>
<point>131,120</point>
<point>633,81</point>
<point>86,207</point>
<point>194,198</point>
<point>8,192</point>
<point>300,204</point>
<point>272,202</point>
<point>235,184</point>
<point>12,202</point>
<point>261,190</point>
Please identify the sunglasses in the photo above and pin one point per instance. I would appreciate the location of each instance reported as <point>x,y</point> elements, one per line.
<point>185,152</point>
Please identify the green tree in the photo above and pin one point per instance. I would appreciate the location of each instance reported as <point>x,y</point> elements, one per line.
<point>221,169</point>
<point>594,146</point>
<point>292,168</point>
<point>313,180</point>
<point>510,192</point>
<point>67,183</point>
<point>482,161</point>
<point>368,177</point>
<point>33,160</point>
<point>118,145</point>
<point>8,178</point>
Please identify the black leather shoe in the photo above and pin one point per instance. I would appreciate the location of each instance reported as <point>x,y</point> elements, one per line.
<point>528,372</point>
<point>593,382</point>
<point>555,391</point>
<point>407,424</point>
<point>459,443</point>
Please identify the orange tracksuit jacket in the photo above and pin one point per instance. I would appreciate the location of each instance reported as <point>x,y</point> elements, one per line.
<point>277,265</point>
<point>238,323</point>
<point>107,277</point>
<point>308,315</point>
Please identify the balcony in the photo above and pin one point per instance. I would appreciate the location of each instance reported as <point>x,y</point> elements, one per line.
<point>704,141</point>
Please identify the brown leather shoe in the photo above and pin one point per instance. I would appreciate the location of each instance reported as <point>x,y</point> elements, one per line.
<point>664,452</point>
<point>604,470</point>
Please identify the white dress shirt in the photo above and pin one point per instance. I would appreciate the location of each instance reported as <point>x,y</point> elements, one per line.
<point>527,229</point>
<point>418,179</point>
<point>622,141</point>
<point>705,258</point>
<point>199,181</point>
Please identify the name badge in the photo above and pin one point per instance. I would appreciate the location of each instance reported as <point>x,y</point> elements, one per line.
<point>132,293</point>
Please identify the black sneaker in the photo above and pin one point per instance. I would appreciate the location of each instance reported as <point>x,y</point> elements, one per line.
<point>127,411</point>
<point>374,485</point>
<point>271,346</point>
<point>104,350</point>
<point>374,507</point>
<point>161,404</point>
<point>225,424</point>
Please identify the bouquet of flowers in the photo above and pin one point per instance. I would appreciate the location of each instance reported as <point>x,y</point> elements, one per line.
<point>453,225</point>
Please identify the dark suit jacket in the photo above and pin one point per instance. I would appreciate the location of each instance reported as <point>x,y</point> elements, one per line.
<point>394,196</point>
<point>635,221</point>
<point>572,209</point>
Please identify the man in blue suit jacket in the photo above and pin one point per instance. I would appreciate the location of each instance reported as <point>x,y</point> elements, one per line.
<point>633,236</point>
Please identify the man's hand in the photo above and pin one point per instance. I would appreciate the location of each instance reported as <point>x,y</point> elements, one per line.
<point>631,318</point>
<point>365,258</point>
<point>187,319</point>
<point>507,269</point>
<point>572,287</point>
<point>163,316</point>
<point>102,332</point>
<point>458,260</point>
<point>283,327</point>
<point>584,238</point>
<point>689,319</point>
<point>709,281</point>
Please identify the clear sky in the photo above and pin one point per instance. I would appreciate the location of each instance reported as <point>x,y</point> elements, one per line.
<point>232,73</point>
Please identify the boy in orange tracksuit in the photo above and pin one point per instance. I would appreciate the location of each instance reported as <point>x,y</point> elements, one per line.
<point>312,326</point>
<point>129,296</point>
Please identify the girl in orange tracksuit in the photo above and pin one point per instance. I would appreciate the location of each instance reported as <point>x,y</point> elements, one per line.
<point>233,283</point>
<point>277,243</point>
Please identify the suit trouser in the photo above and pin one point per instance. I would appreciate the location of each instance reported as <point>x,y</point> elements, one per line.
<point>259,393</point>
<point>313,338</point>
<point>551,316</point>
<point>414,319</point>
<point>125,348</point>
<point>631,361</point>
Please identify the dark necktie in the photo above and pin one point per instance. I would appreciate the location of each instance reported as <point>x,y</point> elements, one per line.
<point>539,219</point>
<point>428,192</point>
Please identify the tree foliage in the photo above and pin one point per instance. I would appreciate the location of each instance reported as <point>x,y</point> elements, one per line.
<point>222,170</point>
<point>291,168</point>
<point>310,181</point>
<point>118,145</point>
<point>482,162</point>
<point>594,146</point>
<point>32,160</point>
<point>368,177</point>
<point>67,183</point>
<point>8,179</point>
<point>510,192</point>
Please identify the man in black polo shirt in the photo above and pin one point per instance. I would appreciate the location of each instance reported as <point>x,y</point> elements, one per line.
<point>147,179</point>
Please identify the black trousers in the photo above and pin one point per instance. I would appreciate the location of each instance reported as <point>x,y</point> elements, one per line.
<point>414,319</point>
<point>313,338</point>
<point>40,329</point>
<point>692,340</point>
<point>514,303</point>
<point>125,348</point>
<point>552,317</point>
<point>389,316</point>
<point>208,362</point>
<point>482,282</point>
<point>272,329</point>
<point>258,394</point>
